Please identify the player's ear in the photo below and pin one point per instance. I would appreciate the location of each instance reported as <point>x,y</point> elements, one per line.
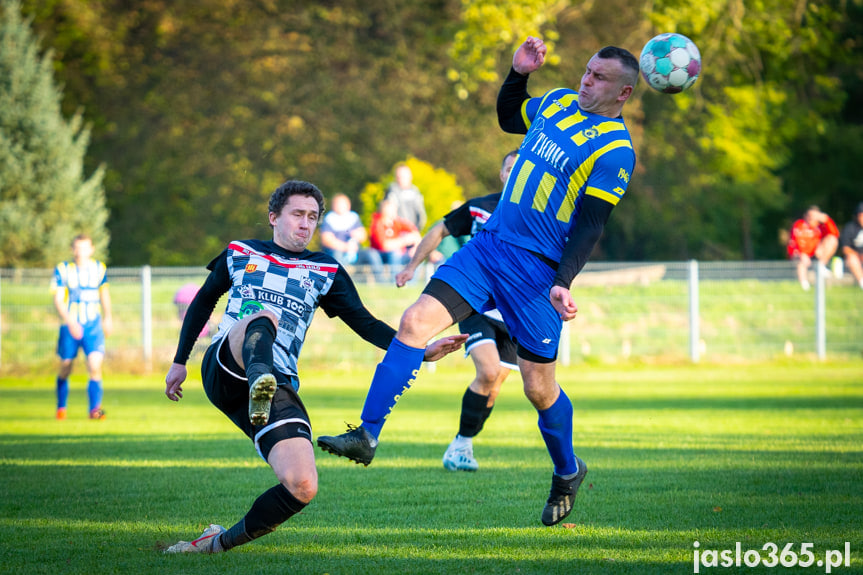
<point>625,93</point>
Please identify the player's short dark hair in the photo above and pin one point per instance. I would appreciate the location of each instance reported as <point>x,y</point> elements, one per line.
<point>625,57</point>
<point>279,198</point>
<point>81,238</point>
<point>513,153</point>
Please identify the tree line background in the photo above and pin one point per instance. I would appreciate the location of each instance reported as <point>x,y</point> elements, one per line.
<point>183,115</point>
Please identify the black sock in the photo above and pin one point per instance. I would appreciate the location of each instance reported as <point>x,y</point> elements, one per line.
<point>473,413</point>
<point>258,347</point>
<point>272,508</point>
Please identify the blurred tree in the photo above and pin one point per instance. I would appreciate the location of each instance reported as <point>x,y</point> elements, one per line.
<point>46,199</point>
<point>439,188</point>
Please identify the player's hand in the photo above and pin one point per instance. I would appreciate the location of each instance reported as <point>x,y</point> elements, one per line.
<point>561,300</point>
<point>174,381</point>
<point>444,346</point>
<point>530,56</point>
<point>404,276</point>
<point>107,326</point>
<point>76,330</point>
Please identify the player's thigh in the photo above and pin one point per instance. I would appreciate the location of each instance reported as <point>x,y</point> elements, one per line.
<point>487,362</point>
<point>423,320</point>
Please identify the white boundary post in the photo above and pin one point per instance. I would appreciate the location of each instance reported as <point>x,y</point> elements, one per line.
<point>694,325</point>
<point>820,312</point>
<point>147,314</point>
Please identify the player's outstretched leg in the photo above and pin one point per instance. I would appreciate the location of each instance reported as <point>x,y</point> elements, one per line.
<point>562,495</point>
<point>393,376</point>
<point>208,542</point>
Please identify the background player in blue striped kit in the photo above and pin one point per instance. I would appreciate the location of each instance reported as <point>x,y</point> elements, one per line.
<point>83,302</point>
<point>573,167</point>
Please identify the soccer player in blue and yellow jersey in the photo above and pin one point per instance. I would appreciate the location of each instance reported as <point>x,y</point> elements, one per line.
<point>83,302</point>
<point>573,167</point>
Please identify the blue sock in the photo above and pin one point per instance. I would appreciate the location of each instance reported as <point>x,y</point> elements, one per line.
<point>94,393</point>
<point>62,392</point>
<point>555,423</point>
<point>393,376</point>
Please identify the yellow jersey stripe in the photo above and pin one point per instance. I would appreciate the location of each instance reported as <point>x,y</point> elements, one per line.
<point>521,181</point>
<point>579,178</point>
<point>609,197</point>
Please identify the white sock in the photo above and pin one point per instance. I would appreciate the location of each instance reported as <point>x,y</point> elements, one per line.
<point>461,441</point>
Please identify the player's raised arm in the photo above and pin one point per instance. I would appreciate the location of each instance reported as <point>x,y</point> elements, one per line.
<point>427,245</point>
<point>530,56</point>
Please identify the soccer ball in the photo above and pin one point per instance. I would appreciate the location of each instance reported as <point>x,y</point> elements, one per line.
<point>670,63</point>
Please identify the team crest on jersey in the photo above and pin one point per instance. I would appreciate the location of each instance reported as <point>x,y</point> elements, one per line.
<point>246,292</point>
<point>590,133</point>
<point>251,268</point>
<point>307,284</point>
<point>249,308</point>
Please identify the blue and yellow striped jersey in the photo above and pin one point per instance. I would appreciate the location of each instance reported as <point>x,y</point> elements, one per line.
<point>82,286</point>
<point>566,155</point>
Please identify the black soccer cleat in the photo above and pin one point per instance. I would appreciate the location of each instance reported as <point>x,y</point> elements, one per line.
<point>562,496</point>
<point>356,444</point>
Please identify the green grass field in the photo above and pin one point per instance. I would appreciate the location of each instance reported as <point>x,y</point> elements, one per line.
<point>753,454</point>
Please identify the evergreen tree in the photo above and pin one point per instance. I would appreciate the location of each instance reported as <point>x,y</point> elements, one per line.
<point>45,200</point>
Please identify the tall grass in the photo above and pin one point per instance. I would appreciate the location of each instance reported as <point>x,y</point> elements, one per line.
<point>677,454</point>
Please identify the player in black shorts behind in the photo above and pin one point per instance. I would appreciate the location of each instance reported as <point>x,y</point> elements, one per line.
<point>488,344</point>
<point>250,369</point>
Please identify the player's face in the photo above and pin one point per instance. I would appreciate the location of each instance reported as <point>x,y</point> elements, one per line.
<point>603,88</point>
<point>82,250</point>
<point>507,168</point>
<point>294,226</point>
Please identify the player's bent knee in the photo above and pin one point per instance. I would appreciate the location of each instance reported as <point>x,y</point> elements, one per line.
<point>304,488</point>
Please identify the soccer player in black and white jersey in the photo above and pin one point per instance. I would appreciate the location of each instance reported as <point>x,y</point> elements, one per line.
<point>489,344</point>
<point>250,369</point>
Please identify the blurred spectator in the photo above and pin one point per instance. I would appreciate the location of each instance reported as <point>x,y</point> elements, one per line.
<point>851,241</point>
<point>406,197</point>
<point>393,237</point>
<point>183,298</point>
<point>342,235</point>
<point>813,236</point>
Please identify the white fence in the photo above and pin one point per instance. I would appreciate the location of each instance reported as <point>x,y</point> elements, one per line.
<point>659,311</point>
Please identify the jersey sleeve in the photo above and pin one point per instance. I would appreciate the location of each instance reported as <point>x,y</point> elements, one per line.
<point>58,280</point>
<point>202,306</point>
<point>611,173</point>
<point>510,103</point>
<point>459,221</point>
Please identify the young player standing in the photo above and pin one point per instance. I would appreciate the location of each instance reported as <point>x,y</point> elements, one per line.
<point>83,302</point>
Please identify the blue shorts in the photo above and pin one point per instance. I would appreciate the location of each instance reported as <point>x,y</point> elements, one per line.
<point>489,273</point>
<point>92,340</point>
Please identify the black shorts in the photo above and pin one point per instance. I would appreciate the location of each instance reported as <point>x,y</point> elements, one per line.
<point>228,389</point>
<point>482,329</point>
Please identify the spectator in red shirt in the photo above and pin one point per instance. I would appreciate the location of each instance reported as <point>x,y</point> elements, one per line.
<point>395,238</point>
<point>814,236</point>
